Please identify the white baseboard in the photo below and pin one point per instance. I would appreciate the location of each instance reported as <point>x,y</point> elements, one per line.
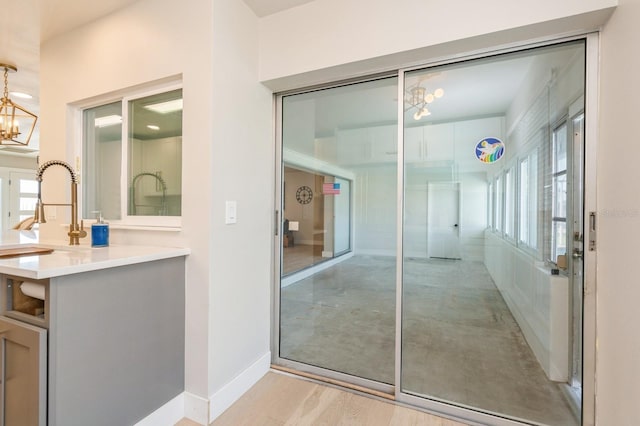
<point>196,408</point>
<point>232,391</point>
<point>167,415</point>
<point>205,411</point>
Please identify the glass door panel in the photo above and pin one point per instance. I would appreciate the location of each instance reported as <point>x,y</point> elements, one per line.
<point>338,245</point>
<point>488,303</point>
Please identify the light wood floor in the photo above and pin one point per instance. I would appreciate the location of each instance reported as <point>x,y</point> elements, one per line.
<point>279,399</point>
<point>300,256</point>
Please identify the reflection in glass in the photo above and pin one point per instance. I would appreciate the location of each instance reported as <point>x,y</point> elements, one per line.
<point>102,158</point>
<point>337,297</point>
<point>155,155</point>
<point>316,220</point>
<point>480,329</point>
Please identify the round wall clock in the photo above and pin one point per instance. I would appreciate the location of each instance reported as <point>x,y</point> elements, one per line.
<point>304,195</point>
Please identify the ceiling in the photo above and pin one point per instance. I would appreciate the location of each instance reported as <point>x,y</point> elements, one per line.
<point>25,24</point>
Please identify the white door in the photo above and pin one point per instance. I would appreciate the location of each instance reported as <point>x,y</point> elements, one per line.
<point>443,220</point>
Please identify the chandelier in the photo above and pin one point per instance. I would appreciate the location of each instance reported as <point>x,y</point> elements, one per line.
<point>417,97</point>
<point>16,123</point>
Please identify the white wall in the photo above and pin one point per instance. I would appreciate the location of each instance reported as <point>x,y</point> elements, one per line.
<point>382,34</point>
<point>618,292</point>
<point>287,62</point>
<point>242,169</point>
<point>213,46</point>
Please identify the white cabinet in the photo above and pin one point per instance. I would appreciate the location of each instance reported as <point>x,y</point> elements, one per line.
<point>384,144</point>
<point>414,146</point>
<point>439,142</point>
<point>434,142</point>
<point>353,146</point>
<point>370,145</point>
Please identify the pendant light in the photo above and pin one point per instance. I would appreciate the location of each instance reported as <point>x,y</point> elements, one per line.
<point>16,123</point>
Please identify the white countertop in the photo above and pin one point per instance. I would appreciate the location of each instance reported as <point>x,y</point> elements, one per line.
<point>66,259</point>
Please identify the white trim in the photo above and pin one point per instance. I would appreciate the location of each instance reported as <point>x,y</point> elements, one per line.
<point>169,414</point>
<point>590,314</point>
<point>75,150</point>
<point>232,391</point>
<point>196,408</point>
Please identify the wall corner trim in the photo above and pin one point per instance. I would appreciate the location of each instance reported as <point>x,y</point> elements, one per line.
<point>169,414</point>
<point>232,391</point>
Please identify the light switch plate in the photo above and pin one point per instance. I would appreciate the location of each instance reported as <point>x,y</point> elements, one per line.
<point>230,212</point>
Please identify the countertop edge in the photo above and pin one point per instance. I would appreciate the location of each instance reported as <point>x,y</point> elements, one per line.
<point>77,260</point>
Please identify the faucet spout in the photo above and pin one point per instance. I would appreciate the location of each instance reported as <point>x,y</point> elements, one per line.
<point>76,231</point>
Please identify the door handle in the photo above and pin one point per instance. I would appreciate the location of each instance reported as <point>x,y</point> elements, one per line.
<point>577,254</point>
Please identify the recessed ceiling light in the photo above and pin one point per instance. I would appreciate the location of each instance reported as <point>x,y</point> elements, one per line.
<point>21,95</point>
<point>153,127</point>
<point>108,120</point>
<point>166,107</point>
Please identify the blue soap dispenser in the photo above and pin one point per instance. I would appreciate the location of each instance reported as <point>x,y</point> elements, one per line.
<point>99,232</point>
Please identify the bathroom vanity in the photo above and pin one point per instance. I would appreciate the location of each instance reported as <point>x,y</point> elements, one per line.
<point>91,335</point>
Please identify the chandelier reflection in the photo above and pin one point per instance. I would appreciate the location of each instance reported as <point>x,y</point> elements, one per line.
<point>418,97</point>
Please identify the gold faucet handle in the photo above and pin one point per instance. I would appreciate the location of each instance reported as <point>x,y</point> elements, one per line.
<point>82,233</point>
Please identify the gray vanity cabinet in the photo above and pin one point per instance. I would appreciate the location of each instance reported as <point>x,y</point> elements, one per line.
<point>111,340</point>
<point>23,373</point>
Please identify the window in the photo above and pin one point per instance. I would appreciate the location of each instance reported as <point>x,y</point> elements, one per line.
<point>498,212</point>
<point>528,201</point>
<point>132,159</point>
<point>559,192</point>
<point>490,203</point>
<point>509,203</point>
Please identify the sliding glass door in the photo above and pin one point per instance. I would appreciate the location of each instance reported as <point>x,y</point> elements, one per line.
<point>339,160</point>
<point>487,301</point>
<point>431,240</point>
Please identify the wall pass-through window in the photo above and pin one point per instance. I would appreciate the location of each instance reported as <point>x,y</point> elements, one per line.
<point>132,159</point>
